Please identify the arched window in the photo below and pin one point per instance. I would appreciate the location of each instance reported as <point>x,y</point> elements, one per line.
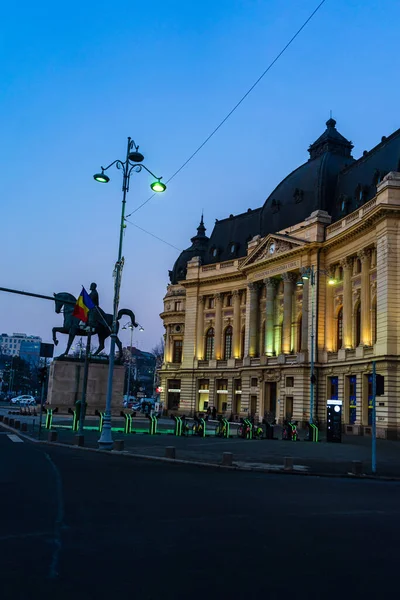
<point>339,332</point>
<point>228,343</point>
<point>209,353</point>
<point>357,320</point>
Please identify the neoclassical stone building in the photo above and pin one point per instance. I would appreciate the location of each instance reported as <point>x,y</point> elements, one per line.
<point>239,327</point>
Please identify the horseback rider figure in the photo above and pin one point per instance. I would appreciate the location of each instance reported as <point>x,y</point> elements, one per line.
<point>94,296</point>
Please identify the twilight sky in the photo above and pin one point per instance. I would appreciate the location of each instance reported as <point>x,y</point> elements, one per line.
<point>79,77</point>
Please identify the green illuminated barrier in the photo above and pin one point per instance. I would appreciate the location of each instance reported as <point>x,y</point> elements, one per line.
<point>314,434</point>
<point>152,425</point>
<point>49,418</point>
<point>178,426</point>
<point>101,415</point>
<point>128,422</point>
<point>223,429</point>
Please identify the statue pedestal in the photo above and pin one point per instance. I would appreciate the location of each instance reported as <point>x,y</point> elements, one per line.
<point>65,385</point>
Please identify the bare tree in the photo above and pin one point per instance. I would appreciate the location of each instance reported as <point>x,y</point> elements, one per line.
<point>158,352</point>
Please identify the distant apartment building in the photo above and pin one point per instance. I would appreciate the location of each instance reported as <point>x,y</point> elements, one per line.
<point>20,344</point>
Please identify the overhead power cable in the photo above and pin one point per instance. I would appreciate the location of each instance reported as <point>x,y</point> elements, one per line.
<point>153,235</point>
<point>230,113</point>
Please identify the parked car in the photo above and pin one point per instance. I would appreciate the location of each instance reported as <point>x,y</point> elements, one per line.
<point>23,401</point>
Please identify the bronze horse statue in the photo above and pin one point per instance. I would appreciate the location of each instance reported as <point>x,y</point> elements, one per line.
<point>72,326</point>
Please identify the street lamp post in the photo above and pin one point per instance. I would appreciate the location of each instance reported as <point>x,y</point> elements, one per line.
<point>308,274</point>
<point>132,162</point>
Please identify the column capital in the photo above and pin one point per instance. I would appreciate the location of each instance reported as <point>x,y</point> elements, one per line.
<point>365,254</point>
<point>202,299</point>
<point>330,271</point>
<point>271,282</point>
<point>346,263</point>
<point>289,277</point>
<point>236,294</point>
<point>218,297</point>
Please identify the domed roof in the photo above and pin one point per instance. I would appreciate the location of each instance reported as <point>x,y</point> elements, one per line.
<point>311,186</point>
<point>198,248</point>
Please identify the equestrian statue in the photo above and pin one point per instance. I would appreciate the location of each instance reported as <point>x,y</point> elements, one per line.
<point>99,323</point>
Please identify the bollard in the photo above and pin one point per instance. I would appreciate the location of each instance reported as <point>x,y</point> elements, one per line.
<point>288,463</point>
<point>17,424</point>
<point>24,426</point>
<point>11,422</point>
<point>227,459</point>
<point>6,420</point>
<point>79,440</point>
<point>169,452</point>
<point>119,445</point>
<point>356,467</point>
<point>52,436</point>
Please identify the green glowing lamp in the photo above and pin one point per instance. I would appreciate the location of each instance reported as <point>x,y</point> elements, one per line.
<point>158,186</point>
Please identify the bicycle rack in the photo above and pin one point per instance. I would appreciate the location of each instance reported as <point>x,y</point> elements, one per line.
<point>75,419</point>
<point>49,418</point>
<point>178,426</point>
<point>101,415</point>
<point>153,425</point>
<point>128,422</point>
<point>313,432</point>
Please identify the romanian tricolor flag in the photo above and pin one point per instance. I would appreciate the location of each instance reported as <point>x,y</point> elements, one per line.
<point>83,305</point>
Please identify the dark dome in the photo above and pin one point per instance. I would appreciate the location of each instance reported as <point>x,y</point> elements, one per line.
<point>311,186</point>
<point>198,248</point>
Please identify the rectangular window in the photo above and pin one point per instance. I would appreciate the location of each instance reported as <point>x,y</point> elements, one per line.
<point>254,382</point>
<point>352,399</point>
<point>222,384</point>
<point>211,303</point>
<point>177,355</point>
<point>333,388</point>
<point>289,382</point>
<point>178,306</point>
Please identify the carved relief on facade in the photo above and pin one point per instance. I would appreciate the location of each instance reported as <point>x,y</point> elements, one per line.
<point>338,300</point>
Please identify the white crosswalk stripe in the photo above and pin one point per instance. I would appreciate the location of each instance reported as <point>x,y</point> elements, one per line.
<point>14,438</point>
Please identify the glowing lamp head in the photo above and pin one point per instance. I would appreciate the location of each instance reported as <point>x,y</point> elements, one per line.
<point>101,177</point>
<point>158,186</point>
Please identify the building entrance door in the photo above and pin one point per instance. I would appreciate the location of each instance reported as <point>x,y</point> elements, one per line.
<point>270,399</point>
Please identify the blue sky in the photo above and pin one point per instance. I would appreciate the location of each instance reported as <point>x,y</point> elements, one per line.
<point>78,78</point>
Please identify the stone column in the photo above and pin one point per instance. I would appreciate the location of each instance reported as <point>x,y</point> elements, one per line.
<point>251,320</point>
<point>254,308</point>
<point>347,264</point>
<point>218,327</point>
<point>236,324</point>
<point>288,280</point>
<point>304,313</point>
<point>200,329</point>
<point>329,310</point>
<point>366,335</point>
<point>271,285</point>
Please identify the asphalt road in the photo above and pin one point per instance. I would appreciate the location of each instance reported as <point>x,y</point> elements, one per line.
<point>79,524</point>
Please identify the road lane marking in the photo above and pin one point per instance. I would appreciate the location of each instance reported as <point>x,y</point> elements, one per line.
<point>14,438</point>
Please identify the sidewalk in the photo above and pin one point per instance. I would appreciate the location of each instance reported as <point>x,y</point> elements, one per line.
<point>313,457</point>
